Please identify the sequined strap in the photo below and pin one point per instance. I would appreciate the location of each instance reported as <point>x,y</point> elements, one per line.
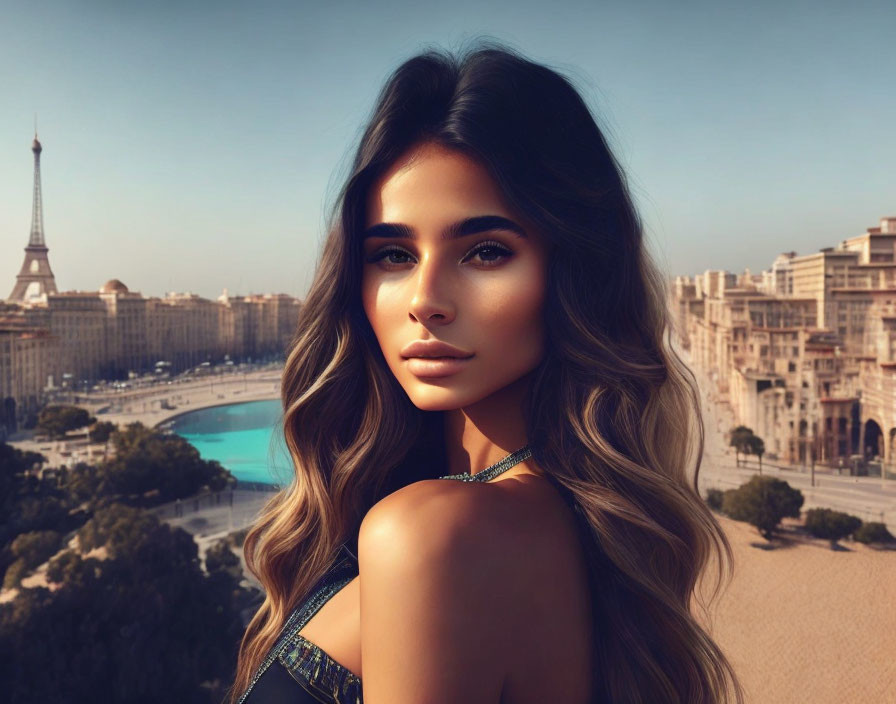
<point>489,473</point>
<point>318,673</point>
<point>341,573</point>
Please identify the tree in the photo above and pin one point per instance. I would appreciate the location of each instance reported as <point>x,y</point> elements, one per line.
<point>873,532</point>
<point>140,621</point>
<point>220,557</point>
<point>118,528</point>
<point>831,525</point>
<point>56,421</point>
<point>142,625</point>
<point>763,502</point>
<point>146,460</point>
<point>14,573</point>
<point>8,414</point>
<point>28,503</point>
<point>83,482</point>
<point>36,547</point>
<point>13,464</point>
<point>102,430</point>
<point>745,442</point>
<point>714,499</point>
<point>739,439</point>
<point>28,551</point>
<point>755,446</point>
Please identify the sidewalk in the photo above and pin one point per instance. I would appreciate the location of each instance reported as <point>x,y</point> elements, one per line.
<point>151,406</point>
<point>215,513</point>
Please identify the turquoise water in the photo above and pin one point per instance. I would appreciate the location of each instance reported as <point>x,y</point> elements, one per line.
<point>244,437</point>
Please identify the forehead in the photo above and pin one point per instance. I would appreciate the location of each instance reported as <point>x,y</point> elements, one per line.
<point>430,177</point>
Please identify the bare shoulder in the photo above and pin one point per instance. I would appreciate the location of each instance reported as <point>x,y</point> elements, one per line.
<point>511,525</point>
<point>496,521</point>
<point>431,515</point>
<point>430,612</point>
<point>448,573</point>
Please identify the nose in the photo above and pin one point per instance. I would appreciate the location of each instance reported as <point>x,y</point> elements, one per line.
<point>431,300</point>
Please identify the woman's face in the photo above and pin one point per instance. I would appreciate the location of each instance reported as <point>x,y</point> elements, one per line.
<point>447,261</point>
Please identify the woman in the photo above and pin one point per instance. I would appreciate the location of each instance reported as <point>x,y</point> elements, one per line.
<point>485,312</point>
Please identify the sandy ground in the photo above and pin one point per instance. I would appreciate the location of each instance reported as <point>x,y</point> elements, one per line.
<point>804,623</point>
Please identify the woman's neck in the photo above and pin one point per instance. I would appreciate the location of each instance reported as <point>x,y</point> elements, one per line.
<point>480,435</point>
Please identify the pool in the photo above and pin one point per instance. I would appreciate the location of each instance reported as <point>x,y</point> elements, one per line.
<point>246,438</point>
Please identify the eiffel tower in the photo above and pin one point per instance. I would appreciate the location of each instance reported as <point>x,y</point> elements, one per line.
<point>35,278</point>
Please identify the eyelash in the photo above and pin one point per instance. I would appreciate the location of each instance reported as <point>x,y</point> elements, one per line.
<point>489,244</point>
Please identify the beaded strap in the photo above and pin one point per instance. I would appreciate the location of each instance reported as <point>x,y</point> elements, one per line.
<point>489,473</point>
<point>320,674</point>
<point>340,574</point>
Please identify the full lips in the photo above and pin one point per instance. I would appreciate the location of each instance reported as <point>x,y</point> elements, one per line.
<point>434,367</point>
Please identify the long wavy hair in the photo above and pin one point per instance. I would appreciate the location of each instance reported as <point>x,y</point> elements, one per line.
<point>613,414</point>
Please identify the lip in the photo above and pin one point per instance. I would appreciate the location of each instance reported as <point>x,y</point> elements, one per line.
<point>427,349</point>
<point>432,368</point>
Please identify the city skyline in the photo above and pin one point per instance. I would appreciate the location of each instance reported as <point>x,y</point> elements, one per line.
<point>177,131</point>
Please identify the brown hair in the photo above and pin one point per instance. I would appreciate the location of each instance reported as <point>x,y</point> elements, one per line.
<point>613,414</point>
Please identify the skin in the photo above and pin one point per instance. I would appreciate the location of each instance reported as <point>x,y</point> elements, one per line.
<point>473,592</point>
<point>483,293</point>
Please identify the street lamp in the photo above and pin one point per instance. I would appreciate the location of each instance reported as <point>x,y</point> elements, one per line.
<point>66,384</point>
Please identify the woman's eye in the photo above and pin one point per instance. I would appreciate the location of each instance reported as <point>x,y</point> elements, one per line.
<point>388,254</point>
<point>490,253</point>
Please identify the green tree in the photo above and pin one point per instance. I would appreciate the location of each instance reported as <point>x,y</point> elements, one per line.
<point>64,567</point>
<point>14,573</point>
<point>36,547</point>
<point>146,460</point>
<point>28,503</point>
<point>117,527</point>
<point>739,439</point>
<point>714,499</point>
<point>56,421</point>
<point>219,556</point>
<point>83,482</point>
<point>873,532</point>
<point>143,625</point>
<point>13,465</point>
<point>763,502</point>
<point>102,430</point>
<point>831,525</point>
<point>755,446</point>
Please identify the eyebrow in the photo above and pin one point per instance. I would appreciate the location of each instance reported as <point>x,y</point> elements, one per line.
<point>470,226</point>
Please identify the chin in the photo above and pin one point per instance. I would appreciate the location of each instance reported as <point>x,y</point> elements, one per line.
<point>425,402</point>
<point>434,398</point>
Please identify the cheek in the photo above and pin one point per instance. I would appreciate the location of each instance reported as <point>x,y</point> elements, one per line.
<point>511,318</point>
<point>382,311</point>
<point>369,303</point>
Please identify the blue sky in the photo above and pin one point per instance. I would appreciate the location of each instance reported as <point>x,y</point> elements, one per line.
<point>193,146</point>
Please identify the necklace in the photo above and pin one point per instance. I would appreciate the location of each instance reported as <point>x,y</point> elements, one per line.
<point>514,458</point>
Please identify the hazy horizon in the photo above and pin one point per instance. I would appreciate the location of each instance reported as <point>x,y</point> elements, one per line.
<point>197,146</point>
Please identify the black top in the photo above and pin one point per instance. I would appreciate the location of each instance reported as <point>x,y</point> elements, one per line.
<point>296,670</point>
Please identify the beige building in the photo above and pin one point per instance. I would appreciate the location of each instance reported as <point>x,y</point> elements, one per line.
<point>805,353</point>
<point>105,334</point>
<point>28,359</point>
<point>877,371</point>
